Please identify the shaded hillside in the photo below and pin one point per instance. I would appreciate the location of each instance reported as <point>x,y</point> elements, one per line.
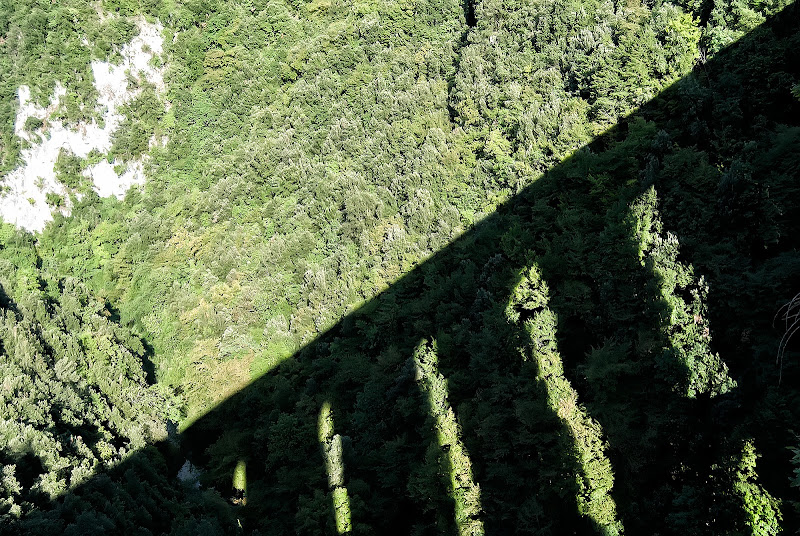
<point>650,263</point>
<point>596,355</point>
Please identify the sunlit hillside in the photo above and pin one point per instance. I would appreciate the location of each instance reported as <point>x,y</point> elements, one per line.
<point>419,267</point>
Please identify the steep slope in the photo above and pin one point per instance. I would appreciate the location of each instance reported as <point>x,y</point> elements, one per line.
<point>495,267</point>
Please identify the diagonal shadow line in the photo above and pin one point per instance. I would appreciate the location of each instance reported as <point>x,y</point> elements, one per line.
<point>662,444</point>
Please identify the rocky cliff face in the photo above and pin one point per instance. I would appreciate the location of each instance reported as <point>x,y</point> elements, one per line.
<point>34,191</point>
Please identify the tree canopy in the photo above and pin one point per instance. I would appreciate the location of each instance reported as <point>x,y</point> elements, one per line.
<point>412,267</point>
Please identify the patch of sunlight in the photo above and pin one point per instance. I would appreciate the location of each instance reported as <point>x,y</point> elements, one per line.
<point>209,382</point>
<point>332,451</point>
<point>762,510</point>
<point>240,483</point>
<point>463,488</point>
<point>595,479</point>
<point>685,323</point>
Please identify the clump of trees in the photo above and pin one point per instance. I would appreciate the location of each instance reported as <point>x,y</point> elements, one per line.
<point>79,414</point>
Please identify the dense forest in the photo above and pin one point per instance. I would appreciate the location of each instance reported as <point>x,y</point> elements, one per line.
<point>414,267</point>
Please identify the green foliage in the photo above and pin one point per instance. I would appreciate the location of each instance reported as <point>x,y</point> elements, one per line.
<point>69,170</point>
<point>75,395</point>
<point>684,322</point>
<point>763,510</point>
<point>240,477</point>
<point>456,463</point>
<point>33,124</point>
<point>142,117</point>
<point>54,200</point>
<point>342,181</point>
<point>731,20</point>
<point>43,44</point>
<point>595,479</point>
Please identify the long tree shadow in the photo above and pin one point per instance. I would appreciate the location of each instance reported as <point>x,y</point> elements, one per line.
<point>441,405</point>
